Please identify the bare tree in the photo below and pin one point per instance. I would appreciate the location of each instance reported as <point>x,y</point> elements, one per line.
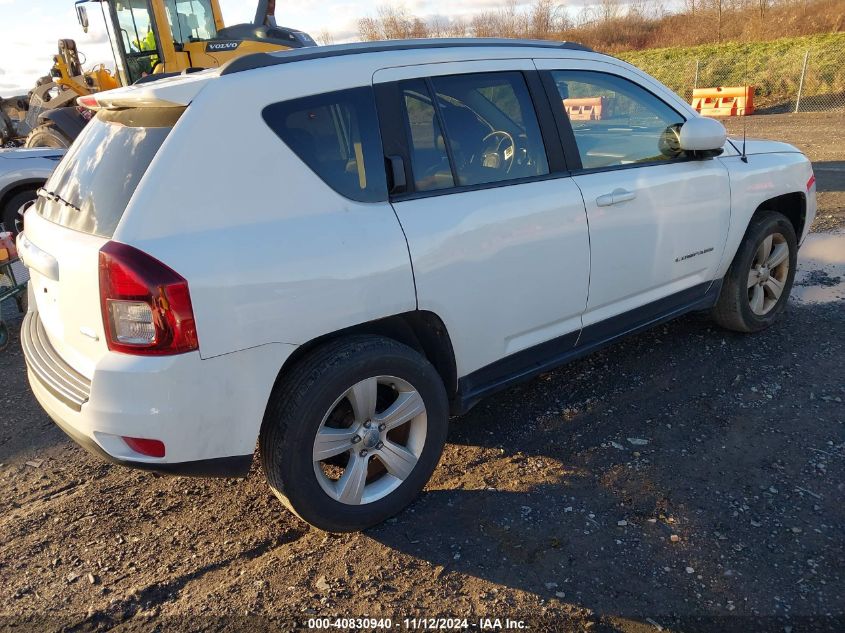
<point>456,28</point>
<point>325,37</point>
<point>369,29</point>
<point>395,22</point>
<point>437,26</point>
<point>392,23</point>
<point>419,29</point>
<point>546,19</point>
<point>718,10</point>
<point>609,10</point>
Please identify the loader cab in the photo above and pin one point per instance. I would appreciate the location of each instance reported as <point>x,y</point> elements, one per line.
<point>164,36</point>
<point>133,31</point>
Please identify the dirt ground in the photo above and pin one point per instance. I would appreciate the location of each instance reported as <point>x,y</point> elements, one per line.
<point>687,479</point>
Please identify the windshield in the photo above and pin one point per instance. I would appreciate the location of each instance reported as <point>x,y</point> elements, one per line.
<point>93,184</point>
<point>190,20</point>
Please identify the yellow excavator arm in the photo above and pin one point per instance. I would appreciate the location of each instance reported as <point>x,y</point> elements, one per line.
<point>149,37</point>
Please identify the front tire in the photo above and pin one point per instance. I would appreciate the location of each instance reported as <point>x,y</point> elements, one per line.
<point>353,432</point>
<point>756,288</point>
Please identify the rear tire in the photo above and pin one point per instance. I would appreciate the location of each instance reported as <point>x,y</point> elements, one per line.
<point>11,208</point>
<point>4,336</point>
<point>756,287</point>
<point>47,135</point>
<point>320,408</point>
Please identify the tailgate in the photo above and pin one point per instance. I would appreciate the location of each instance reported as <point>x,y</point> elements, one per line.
<point>64,278</point>
<point>76,214</point>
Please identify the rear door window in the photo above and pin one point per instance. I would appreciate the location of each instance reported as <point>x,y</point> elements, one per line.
<point>428,148</point>
<point>92,185</point>
<point>336,134</point>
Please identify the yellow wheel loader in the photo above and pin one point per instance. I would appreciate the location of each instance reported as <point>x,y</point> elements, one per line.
<point>149,38</point>
<point>19,116</point>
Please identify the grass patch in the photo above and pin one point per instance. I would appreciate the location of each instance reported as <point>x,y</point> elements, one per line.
<point>773,67</point>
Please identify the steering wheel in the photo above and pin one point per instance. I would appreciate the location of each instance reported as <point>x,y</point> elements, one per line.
<point>496,152</point>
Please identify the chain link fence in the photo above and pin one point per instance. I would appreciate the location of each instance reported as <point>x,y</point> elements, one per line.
<point>803,76</point>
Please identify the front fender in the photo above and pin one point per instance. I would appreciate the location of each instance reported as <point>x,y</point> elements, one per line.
<point>763,177</point>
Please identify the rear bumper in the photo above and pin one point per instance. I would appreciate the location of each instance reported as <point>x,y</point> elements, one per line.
<point>43,362</point>
<point>237,466</point>
<point>207,413</point>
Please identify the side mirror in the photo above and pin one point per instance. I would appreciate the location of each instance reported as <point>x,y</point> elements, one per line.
<point>703,137</point>
<point>82,16</point>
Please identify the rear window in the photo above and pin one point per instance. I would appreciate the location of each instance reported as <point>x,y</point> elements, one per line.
<point>336,134</point>
<point>92,185</point>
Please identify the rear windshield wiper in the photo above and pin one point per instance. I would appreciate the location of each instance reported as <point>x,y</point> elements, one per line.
<point>54,197</point>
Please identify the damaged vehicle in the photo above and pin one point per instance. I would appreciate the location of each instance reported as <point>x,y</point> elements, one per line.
<point>452,221</point>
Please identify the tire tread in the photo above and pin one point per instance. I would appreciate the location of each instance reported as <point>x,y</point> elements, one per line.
<point>296,386</point>
<point>729,311</point>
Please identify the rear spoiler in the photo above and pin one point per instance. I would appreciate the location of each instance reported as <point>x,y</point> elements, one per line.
<point>166,92</point>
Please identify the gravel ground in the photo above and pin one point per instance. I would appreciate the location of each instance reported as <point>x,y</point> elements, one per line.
<point>687,478</point>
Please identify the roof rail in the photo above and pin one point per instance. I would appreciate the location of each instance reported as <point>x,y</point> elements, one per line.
<point>263,60</point>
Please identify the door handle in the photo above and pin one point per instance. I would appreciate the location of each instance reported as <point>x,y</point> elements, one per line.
<point>617,196</point>
<point>396,169</point>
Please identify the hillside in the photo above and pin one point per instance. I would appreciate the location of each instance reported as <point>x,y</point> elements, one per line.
<point>773,67</point>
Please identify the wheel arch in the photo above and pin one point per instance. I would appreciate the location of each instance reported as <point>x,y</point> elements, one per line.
<point>27,184</point>
<point>420,330</point>
<point>792,205</point>
<point>19,186</point>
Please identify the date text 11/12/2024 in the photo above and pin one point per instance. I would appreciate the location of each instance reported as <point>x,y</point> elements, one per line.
<point>417,624</point>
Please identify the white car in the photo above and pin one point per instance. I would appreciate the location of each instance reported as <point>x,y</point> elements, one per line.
<point>396,231</point>
<point>22,172</point>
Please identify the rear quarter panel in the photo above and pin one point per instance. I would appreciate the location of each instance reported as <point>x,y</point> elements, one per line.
<point>271,253</point>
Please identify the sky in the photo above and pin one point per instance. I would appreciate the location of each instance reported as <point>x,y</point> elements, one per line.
<point>30,29</point>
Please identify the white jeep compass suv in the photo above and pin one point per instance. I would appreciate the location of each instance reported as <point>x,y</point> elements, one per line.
<point>389,233</point>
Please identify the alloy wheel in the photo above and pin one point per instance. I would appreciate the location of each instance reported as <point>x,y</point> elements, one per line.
<point>370,440</point>
<point>768,274</point>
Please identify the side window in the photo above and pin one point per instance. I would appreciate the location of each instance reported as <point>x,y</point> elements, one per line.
<point>429,160</point>
<point>190,20</point>
<point>336,134</point>
<point>615,121</point>
<point>480,127</point>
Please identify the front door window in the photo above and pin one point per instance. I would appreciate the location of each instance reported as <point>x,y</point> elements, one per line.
<point>615,121</point>
<point>137,38</point>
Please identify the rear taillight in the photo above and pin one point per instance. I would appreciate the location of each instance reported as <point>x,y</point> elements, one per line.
<point>146,305</point>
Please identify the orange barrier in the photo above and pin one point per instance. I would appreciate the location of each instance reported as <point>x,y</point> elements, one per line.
<point>721,101</point>
<point>586,108</point>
